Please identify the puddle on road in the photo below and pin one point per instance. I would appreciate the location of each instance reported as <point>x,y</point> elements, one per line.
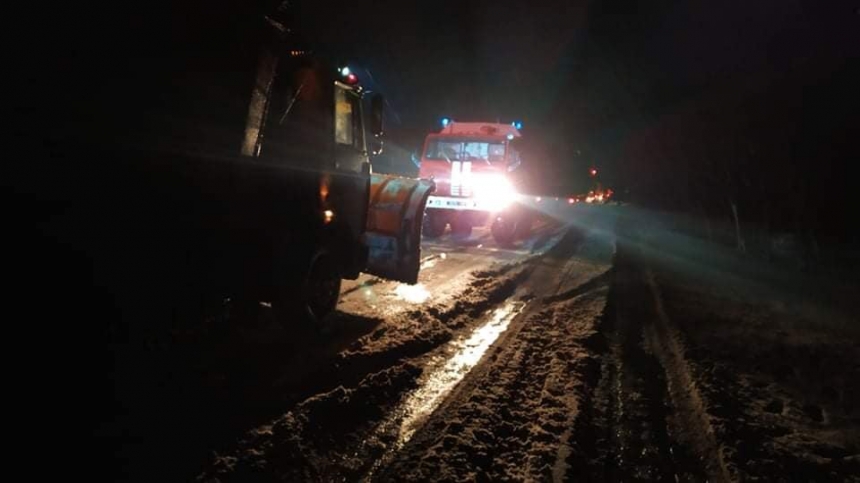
<point>440,381</point>
<point>415,294</point>
<point>446,371</point>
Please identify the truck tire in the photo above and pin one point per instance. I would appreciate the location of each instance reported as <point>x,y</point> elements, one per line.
<point>524,225</point>
<point>503,231</point>
<point>321,287</point>
<point>461,227</point>
<point>434,225</point>
<point>318,294</point>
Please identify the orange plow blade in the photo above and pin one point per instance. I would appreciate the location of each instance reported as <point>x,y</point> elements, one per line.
<point>394,220</point>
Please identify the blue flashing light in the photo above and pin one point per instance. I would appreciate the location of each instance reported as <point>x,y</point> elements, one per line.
<point>344,71</point>
<point>445,122</point>
<point>517,124</point>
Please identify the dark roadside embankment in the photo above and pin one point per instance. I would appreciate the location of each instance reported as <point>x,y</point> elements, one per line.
<point>772,351</point>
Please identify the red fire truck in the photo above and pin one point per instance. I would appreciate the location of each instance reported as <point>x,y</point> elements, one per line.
<point>472,165</point>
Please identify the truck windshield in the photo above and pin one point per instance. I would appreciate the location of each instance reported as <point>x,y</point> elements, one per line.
<point>465,150</point>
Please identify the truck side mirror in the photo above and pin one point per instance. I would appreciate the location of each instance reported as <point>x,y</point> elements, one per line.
<point>377,105</point>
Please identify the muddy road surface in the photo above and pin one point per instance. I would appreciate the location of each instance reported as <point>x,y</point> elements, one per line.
<point>177,403</point>
<point>567,357</point>
<point>479,372</point>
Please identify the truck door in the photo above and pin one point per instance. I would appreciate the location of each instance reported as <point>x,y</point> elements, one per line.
<point>350,149</point>
<point>348,186</point>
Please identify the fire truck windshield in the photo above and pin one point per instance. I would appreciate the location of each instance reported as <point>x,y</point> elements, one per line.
<point>465,150</point>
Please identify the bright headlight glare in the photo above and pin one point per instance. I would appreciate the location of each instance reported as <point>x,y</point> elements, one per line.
<point>494,192</point>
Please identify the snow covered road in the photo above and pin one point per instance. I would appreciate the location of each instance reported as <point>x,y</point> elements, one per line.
<point>569,357</point>
<point>504,328</point>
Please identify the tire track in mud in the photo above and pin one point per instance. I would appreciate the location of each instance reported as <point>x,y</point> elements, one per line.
<point>419,331</point>
<point>328,437</point>
<point>408,335</point>
<point>511,418</point>
<point>442,374</point>
<point>693,423</point>
<point>637,425</point>
<point>314,442</point>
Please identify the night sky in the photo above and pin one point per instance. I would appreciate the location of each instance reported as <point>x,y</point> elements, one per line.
<point>591,79</point>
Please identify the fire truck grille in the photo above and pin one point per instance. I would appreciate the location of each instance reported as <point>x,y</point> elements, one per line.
<point>461,178</point>
<point>460,190</point>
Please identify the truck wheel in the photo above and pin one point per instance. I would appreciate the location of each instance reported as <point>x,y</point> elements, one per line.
<point>461,227</point>
<point>503,231</point>
<point>318,294</point>
<point>524,226</point>
<point>322,287</point>
<point>434,225</point>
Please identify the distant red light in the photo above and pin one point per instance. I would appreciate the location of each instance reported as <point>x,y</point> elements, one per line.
<point>570,201</point>
<point>352,79</point>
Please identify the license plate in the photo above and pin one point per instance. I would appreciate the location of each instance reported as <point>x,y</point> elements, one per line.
<point>438,202</point>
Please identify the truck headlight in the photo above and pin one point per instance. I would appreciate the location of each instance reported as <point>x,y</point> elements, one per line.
<point>494,192</point>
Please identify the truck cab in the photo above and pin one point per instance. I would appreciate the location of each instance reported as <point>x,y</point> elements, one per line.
<point>471,164</point>
<point>308,125</point>
<point>249,181</point>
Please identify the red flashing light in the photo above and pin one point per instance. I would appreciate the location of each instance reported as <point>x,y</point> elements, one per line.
<point>351,78</point>
<point>593,171</point>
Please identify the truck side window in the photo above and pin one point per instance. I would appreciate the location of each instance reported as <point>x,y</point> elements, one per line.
<point>346,118</point>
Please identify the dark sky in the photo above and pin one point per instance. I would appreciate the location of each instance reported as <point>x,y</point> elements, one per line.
<point>582,75</point>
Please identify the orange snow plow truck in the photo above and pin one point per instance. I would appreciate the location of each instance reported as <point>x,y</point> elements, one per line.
<point>472,165</point>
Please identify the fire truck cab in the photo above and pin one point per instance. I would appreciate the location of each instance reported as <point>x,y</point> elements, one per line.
<point>472,164</point>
